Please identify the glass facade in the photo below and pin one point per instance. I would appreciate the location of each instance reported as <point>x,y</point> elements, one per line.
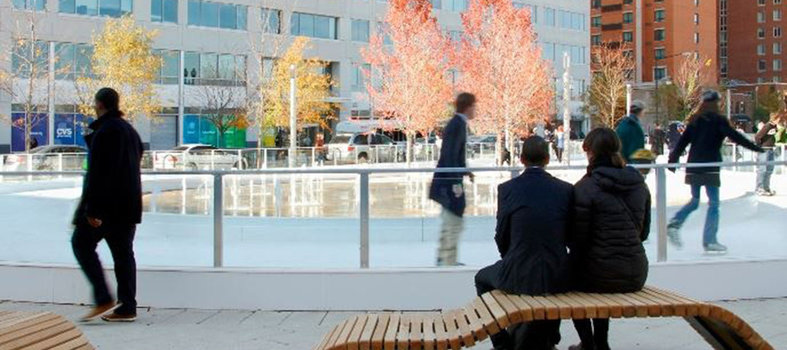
<point>36,5</point>
<point>73,60</point>
<point>30,59</point>
<point>109,8</point>
<point>164,11</point>
<point>217,15</point>
<point>315,26</point>
<point>169,70</point>
<point>214,69</point>
<point>360,30</point>
<point>270,20</point>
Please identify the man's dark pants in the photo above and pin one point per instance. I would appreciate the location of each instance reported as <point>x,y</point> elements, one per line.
<point>534,335</point>
<point>120,239</point>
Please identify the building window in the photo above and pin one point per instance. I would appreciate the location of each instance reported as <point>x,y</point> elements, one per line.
<point>271,21</point>
<point>314,26</point>
<point>164,11</point>
<point>777,15</point>
<point>777,48</point>
<point>777,32</point>
<point>109,8</point>
<point>761,50</point>
<point>696,18</point>
<point>628,2</point>
<point>455,5</point>
<point>214,69</point>
<point>217,15</point>
<point>628,37</point>
<point>360,30</point>
<point>595,39</point>
<point>659,35</point>
<point>27,61</point>
<point>169,72</point>
<point>659,53</point>
<point>658,15</point>
<point>761,2</point>
<point>72,60</point>
<point>628,17</point>
<point>359,78</point>
<point>761,17</point>
<point>777,79</point>
<point>436,4</point>
<point>696,38</point>
<point>595,21</point>
<point>35,5</point>
<point>762,65</point>
<point>777,65</point>
<point>659,73</point>
<point>777,2</point>
<point>549,14</point>
<point>760,33</point>
<point>596,4</point>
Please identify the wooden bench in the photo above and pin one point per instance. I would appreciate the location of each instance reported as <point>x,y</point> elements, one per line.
<point>38,331</point>
<point>491,312</point>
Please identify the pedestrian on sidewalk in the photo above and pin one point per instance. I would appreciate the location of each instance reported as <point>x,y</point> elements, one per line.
<point>657,138</point>
<point>630,132</point>
<point>560,143</point>
<point>705,131</point>
<point>533,214</point>
<point>447,189</point>
<point>110,208</point>
<point>611,220</point>
<point>766,138</point>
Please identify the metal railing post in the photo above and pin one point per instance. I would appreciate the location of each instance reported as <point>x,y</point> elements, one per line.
<point>29,166</point>
<point>661,214</point>
<point>218,220</point>
<point>364,215</point>
<point>60,164</point>
<point>265,159</point>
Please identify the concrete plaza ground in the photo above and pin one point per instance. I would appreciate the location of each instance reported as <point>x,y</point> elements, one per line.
<point>269,330</point>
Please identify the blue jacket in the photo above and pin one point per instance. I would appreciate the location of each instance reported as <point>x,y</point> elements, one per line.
<point>447,188</point>
<point>533,217</point>
<point>632,137</point>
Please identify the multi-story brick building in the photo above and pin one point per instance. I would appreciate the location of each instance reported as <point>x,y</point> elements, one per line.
<point>751,40</point>
<point>657,33</point>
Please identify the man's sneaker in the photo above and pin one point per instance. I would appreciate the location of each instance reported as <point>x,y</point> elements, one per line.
<point>716,248</point>
<point>762,193</point>
<point>116,317</point>
<point>673,234</point>
<point>97,311</point>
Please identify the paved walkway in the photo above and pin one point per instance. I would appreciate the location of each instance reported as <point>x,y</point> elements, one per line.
<point>266,330</point>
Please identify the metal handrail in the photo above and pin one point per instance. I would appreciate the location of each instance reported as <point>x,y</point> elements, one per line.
<point>364,203</point>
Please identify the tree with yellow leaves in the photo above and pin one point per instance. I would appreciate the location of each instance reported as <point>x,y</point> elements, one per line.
<point>123,59</point>
<point>313,89</point>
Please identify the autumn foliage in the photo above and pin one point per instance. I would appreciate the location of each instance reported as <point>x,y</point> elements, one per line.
<point>500,62</point>
<point>409,85</point>
<point>606,97</point>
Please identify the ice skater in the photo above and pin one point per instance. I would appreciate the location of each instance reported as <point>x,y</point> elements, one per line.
<point>447,189</point>
<point>705,131</point>
<point>110,208</point>
<point>766,138</point>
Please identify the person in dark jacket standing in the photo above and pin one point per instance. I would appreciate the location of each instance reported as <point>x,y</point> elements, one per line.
<point>110,208</point>
<point>447,188</point>
<point>657,138</point>
<point>630,132</point>
<point>705,131</point>
<point>533,215</point>
<point>766,138</point>
<point>611,220</point>
<point>674,131</point>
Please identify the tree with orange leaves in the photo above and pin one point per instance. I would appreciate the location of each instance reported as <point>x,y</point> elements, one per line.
<point>409,85</point>
<point>501,63</point>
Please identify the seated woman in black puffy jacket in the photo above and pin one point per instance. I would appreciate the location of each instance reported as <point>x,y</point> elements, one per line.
<point>611,220</point>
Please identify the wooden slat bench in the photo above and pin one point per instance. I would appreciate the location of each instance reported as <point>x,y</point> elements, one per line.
<point>491,312</point>
<point>39,331</point>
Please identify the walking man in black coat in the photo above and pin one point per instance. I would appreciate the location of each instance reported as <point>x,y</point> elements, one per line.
<point>110,208</point>
<point>447,188</point>
<point>533,213</point>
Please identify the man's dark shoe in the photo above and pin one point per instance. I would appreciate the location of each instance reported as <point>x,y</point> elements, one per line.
<point>116,317</point>
<point>97,311</point>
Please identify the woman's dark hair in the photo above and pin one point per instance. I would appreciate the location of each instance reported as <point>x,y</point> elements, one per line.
<point>703,109</point>
<point>109,98</point>
<point>603,143</point>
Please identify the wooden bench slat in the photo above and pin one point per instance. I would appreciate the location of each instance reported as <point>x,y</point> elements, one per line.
<point>575,310</point>
<point>19,317</point>
<point>640,308</point>
<point>323,345</point>
<point>402,336</point>
<point>464,328</point>
<point>47,338</point>
<point>32,330</point>
<point>430,337</point>
<point>603,307</point>
<point>589,305</point>
<point>524,310</point>
<point>537,310</point>
<point>354,338</point>
<point>496,310</point>
<point>365,339</point>
<point>73,344</point>
<point>454,338</point>
<point>552,311</point>
<point>616,309</point>
<point>682,306</point>
<point>474,322</point>
<point>513,314</point>
<point>564,309</point>
<point>416,332</point>
<point>331,344</point>
<point>389,340</point>
<point>666,308</point>
<point>379,331</point>
<point>486,317</point>
<point>29,326</point>
<point>441,335</point>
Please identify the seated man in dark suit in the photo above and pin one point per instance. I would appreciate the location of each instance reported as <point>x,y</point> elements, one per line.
<point>533,213</point>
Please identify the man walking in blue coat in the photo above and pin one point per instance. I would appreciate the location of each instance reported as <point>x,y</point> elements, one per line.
<point>632,137</point>
<point>447,188</point>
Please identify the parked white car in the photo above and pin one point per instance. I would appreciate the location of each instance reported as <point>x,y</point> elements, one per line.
<point>361,148</point>
<point>198,157</point>
<point>48,158</point>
